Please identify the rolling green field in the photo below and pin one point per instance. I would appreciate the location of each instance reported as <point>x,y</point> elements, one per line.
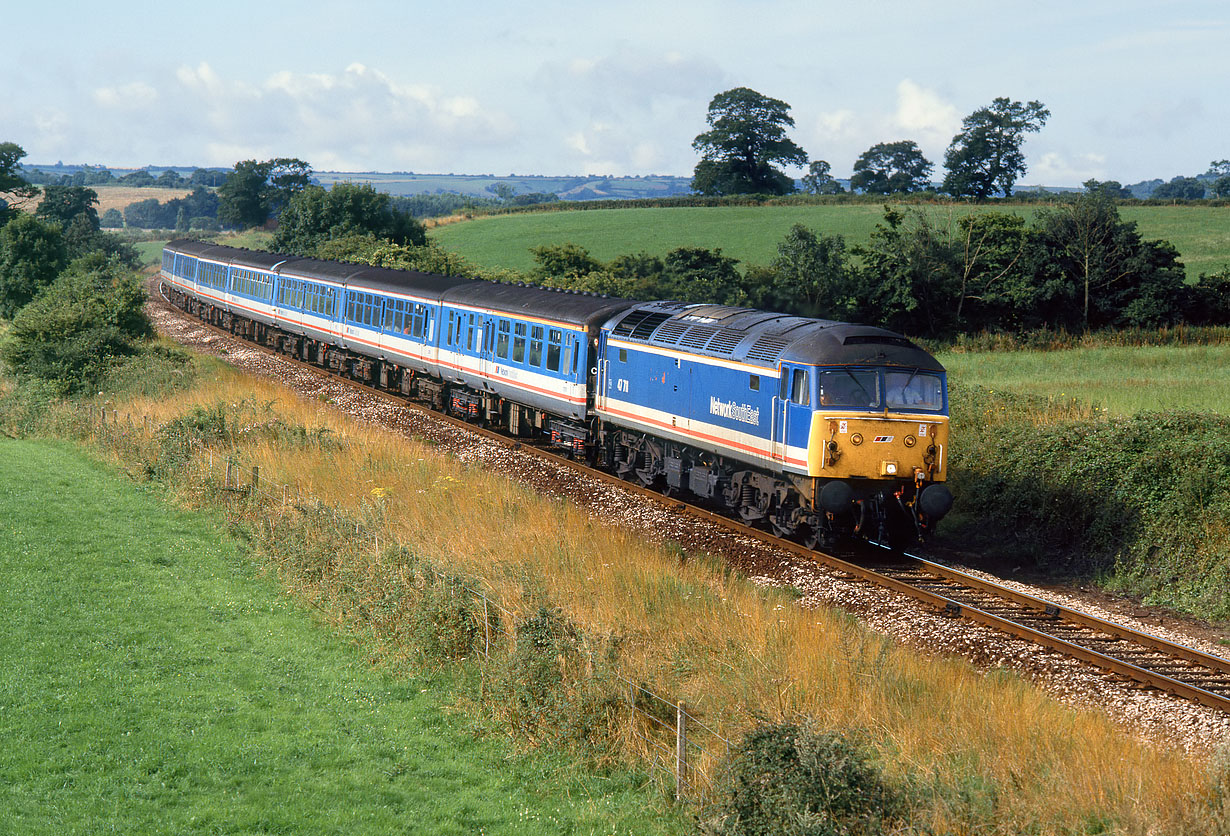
<point>152,681</point>
<point>1123,380</point>
<point>751,233</point>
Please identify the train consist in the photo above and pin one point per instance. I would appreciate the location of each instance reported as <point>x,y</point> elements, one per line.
<point>813,428</point>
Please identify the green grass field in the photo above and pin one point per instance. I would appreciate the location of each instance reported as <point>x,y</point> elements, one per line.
<point>152,682</point>
<point>751,233</point>
<point>1123,380</point>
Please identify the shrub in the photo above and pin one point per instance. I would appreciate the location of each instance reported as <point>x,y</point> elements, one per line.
<point>555,688</point>
<point>788,779</point>
<point>444,625</point>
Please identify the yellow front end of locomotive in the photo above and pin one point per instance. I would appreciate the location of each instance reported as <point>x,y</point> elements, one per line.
<point>880,446</point>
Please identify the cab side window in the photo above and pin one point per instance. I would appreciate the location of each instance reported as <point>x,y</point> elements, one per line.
<point>799,392</point>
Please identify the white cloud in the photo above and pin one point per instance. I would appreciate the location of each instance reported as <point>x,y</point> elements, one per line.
<point>1056,169</point>
<point>919,114</point>
<point>136,95</point>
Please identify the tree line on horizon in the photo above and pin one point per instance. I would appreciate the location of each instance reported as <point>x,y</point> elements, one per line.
<point>746,146</point>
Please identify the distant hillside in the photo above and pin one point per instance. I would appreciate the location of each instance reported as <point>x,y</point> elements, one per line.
<point>483,185</point>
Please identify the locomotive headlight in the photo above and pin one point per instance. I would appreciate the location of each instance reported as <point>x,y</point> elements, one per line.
<point>910,441</point>
<point>856,439</point>
<point>888,468</point>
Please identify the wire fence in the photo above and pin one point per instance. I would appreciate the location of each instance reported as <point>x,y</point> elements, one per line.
<point>670,738</point>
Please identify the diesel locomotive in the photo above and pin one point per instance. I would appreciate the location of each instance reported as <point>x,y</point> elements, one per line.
<point>815,429</point>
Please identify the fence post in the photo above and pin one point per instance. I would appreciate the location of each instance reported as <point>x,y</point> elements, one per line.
<point>681,749</point>
<point>486,631</point>
<point>229,465</point>
<point>256,478</point>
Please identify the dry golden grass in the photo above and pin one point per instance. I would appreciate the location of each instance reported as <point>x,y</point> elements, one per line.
<point>117,197</point>
<point>990,753</point>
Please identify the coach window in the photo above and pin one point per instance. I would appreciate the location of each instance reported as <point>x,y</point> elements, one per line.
<point>623,355</point>
<point>554,338</point>
<point>798,391</point>
<point>501,343</point>
<point>754,382</point>
<point>519,342</point>
<point>536,346</point>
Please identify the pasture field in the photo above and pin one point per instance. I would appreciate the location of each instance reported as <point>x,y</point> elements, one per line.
<point>1122,380</point>
<point>153,680</point>
<point>751,233</point>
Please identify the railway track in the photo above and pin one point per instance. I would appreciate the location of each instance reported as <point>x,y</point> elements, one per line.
<point>1138,657</point>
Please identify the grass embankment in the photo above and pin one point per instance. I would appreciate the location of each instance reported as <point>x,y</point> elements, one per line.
<point>977,753</point>
<point>751,233</point>
<point>154,680</point>
<point>1121,380</point>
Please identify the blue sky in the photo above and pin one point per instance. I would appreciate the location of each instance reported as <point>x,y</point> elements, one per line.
<point>1136,89</point>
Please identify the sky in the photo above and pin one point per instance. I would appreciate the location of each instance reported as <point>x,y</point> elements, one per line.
<point>1137,89</point>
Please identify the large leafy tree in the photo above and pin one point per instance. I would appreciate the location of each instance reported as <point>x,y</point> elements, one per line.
<point>985,159</point>
<point>1113,277</point>
<point>32,254</point>
<point>745,143</point>
<point>63,204</point>
<point>14,190</point>
<point>891,168</point>
<point>315,215</point>
<point>256,190</point>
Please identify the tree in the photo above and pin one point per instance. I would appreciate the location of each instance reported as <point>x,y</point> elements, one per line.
<point>696,274</point>
<point>315,215</point>
<point>985,158</point>
<point>112,219</point>
<point>68,335</point>
<point>1220,187</point>
<point>1110,188</point>
<point>890,168</point>
<point>818,180</point>
<point>1180,188</point>
<point>169,179</point>
<point>210,177</point>
<point>14,190</point>
<point>1219,168</point>
<point>62,204</point>
<point>564,261</point>
<point>746,140</point>
<point>32,254</point>
<point>138,179</point>
<point>255,191</point>
<point>812,276</point>
<point>1113,276</point>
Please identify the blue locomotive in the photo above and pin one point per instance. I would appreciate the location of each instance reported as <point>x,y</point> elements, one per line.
<point>812,428</point>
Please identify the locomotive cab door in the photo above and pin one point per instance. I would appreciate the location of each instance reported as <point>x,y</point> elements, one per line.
<point>792,414</point>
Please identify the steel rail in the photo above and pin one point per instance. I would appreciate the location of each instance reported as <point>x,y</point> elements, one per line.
<point>949,605</point>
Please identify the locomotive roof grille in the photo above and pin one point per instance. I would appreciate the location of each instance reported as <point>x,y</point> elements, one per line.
<point>698,336</point>
<point>640,324</point>
<point>670,332</point>
<point>767,348</point>
<point>725,341</point>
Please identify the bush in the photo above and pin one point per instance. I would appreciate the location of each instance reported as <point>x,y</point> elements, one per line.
<point>70,334</point>
<point>555,688</point>
<point>444,625</point>
<point>788,779</point>
<point>1140,502</point>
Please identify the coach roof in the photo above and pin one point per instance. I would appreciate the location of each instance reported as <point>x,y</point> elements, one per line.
<point>547,303</point>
